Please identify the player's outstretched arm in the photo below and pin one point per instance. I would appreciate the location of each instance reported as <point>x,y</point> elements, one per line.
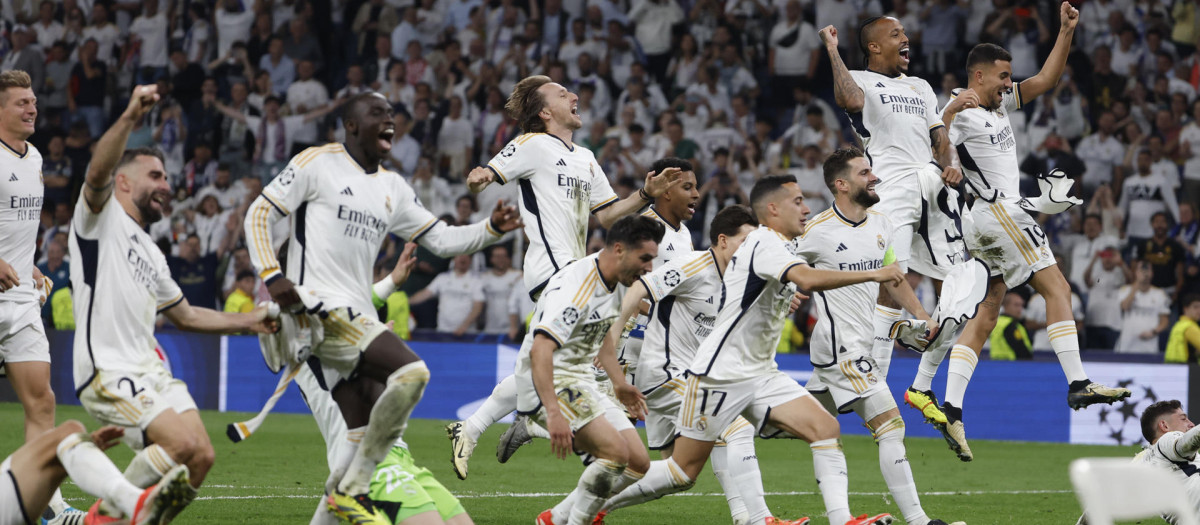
<point>847,94</point>
<point>656,185</point>
<point>1052,70</point>
<point>904,295</point>
<point>206,320</point>
<point>381,290</point>
<point>97,186</point>
<point>1188,444</point>
<point>810,279</point>
<point>448,241</point>
<point>541,363</point>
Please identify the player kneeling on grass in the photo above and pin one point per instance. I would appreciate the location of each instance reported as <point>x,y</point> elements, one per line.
<point>555,382</point>
<point>121,280</point>
<point>734,372</point>
<point>845,376</point>
<point>34,472</point>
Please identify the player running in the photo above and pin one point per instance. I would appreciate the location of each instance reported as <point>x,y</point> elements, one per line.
<point>556,385</point>
<point>846,377</point>
<point>560,184</point>
<point>687,294</point>
<point>24,350</point>
<point>31,474</point>
<point>734,372</point>
<point>121,281</point>
<point>1001,233</point>
<point>341,204</point>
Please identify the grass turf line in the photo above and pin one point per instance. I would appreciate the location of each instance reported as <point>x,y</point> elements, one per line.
<point>278,473</point>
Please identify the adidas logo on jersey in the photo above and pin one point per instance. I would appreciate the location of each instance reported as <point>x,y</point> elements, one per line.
<point>879,84</point>
<point>841,247</point>
<point>13,178</point>
<point>710,300</point>
<point>670,247</point>
<point>987,124</point>
<point>595,316</point>
<point>347,191</point>
<point>560,163</point>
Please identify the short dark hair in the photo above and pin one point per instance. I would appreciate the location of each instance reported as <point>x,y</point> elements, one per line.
<point>1164,216</point>
<point>633,230</point>
<point>728,221</point>
<point>131,155</point>
<point>815,110</point>
<point>765,187</point>
<point>1189,299</point>
<point>838,162</point>
<point>245,274</point>
<point>1099,218</point>
<point>1151,415</point>
<point>863,37</point>
<point>671,162</point>
<point>986,54</point>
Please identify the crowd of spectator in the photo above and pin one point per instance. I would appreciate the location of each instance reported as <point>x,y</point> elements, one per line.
<point>741,88</point>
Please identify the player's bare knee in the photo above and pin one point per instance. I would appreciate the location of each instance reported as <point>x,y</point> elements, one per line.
<point>638,460</point>
<point>203,458</point>
<point>826,427</point>
<point>38,402</point>
<point>181,447</point>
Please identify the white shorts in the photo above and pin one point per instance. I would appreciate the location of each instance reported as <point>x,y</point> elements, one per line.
<point>133,400</point>
<point>22,336</point>
<point>853,384</point>
<point>1008,240</point>
<point>580,401</point>
<point>710,406</point>
<point>12,512</point>
<point>927,217</point>
<point>347,335</point>
<point>662,415</point>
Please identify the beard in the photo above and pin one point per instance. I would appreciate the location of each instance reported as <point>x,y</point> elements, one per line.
<point>149,214</point>
<point>865,199</point>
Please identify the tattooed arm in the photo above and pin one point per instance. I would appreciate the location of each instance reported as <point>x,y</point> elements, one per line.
<point>848,95</point>
<point>945,156</point>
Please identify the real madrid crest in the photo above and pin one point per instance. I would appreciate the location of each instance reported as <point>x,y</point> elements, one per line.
<point>388,203</point>
<point>879,241</point>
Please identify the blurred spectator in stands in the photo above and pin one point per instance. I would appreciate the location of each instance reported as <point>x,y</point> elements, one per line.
<point>278,65</point>
<point>1145,309</point>
<point>396,88</point>
<point>149,33</point>
<point>236,140</point>
<point>1107,86</point>
<point>1163,255</point>
<point>197,40</point>
<point>1187,230</point>
<point>198,173</point>
<point>52,100</point>
<point>211,224</point>
<point>460,297</point>
<point>653,22</point>
<point>805,166</point>
<point>1183,345</point>
<point>793,53</point>
<point>274,134</point>
<point>239,262</point>
<point>25,57</point>
<point>169,136</point>
<point>432,192</point>
<point>941,22</point>
<point>1010,339</point>
<point>56,269</point>
<point>455,141</point>
<point>301,45</point>
<point>804,100</point>
<point>242,298</point>
<point>683,65</point>
<point>1102,153</point>
<point>259,38</point>
<point>405,149</point>
<point>394,308</point>
<point>233,24</point>
<point>186,77</point>
<point>195,273</point>
<point>106,33</point>
<point>681,147</point>
<point>498,284</point>
<point>304,95</point>
<point>720,190</point>
<point>374,18</point>
<point>1189,151</point>
<point>48,29</point>
<point>465,209</point>
<point>1144,195</point>
<point>520,309</point>
<point>56,171</point>
<point>1087,246</point>
<point>1104,276</point>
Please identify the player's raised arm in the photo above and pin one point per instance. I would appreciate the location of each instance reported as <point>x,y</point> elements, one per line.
<point>810,279</point>
<point>97,186</point>
<point>444,240</point>
<point>1052,70</point>
<point>847,93</point>
<point>656,185</point>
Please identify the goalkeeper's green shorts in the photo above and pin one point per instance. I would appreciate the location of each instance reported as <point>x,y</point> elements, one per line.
<point>402,490</point>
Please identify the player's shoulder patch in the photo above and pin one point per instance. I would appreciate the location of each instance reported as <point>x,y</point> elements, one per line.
<point>309,154</point>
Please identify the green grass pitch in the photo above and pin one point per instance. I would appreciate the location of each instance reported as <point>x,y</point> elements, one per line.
<point>277,475</point>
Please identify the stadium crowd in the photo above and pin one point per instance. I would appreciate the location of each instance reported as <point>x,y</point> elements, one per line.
<point>740,88</point>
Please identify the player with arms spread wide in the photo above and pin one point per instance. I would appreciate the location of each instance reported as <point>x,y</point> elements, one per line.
<point>560,185</point>
<point>1000,232</point>
<point>342,204</point>
<point>121,281</point>
<point>850,235</point>
<point>734,371</point>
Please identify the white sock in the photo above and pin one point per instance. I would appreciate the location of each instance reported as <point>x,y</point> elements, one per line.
<point>743,468</point>
<point>562,511</point>
<point>931,359</point>
<point>149,466</point>
<point>341,458</point>
<point>595,485</point>
<point>897,473</point>
<point>962,366</point>
<point>323,516</point>
<point>95,474</point>
<point>535,429</point>
<point>881,347</point>
<point>719,458</point>
<point>389,416</point>
<point>56,502</point>
<point>501,403</point>
<point>1064,339</point>
<point>662,478</point>
<point>829,465</point>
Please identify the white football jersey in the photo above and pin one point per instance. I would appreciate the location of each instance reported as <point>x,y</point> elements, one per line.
<point>20,214</point>
<point>742,346</point>
<point>687,294</point>
<point>340,216</point>
<point>576,309</point>
<point>845,316</point>
<point>496,291</point>
<point>120,281</point>
<point>987,149</point>
<point>1170,453</point>
<point>560,184</point>
<point>675,241</point>
<point>894,124</point>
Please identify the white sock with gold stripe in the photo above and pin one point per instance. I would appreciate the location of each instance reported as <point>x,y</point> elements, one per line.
<point>594,488</point>
<point>149,466</point>
<point>881,347</point>
<point>1064,339</point>
<point>92,471</point>
<point>743,468</point>
<point>893,464</point>
<point>662,478</point>
<point>829,465</point>
<point>961,368</point>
